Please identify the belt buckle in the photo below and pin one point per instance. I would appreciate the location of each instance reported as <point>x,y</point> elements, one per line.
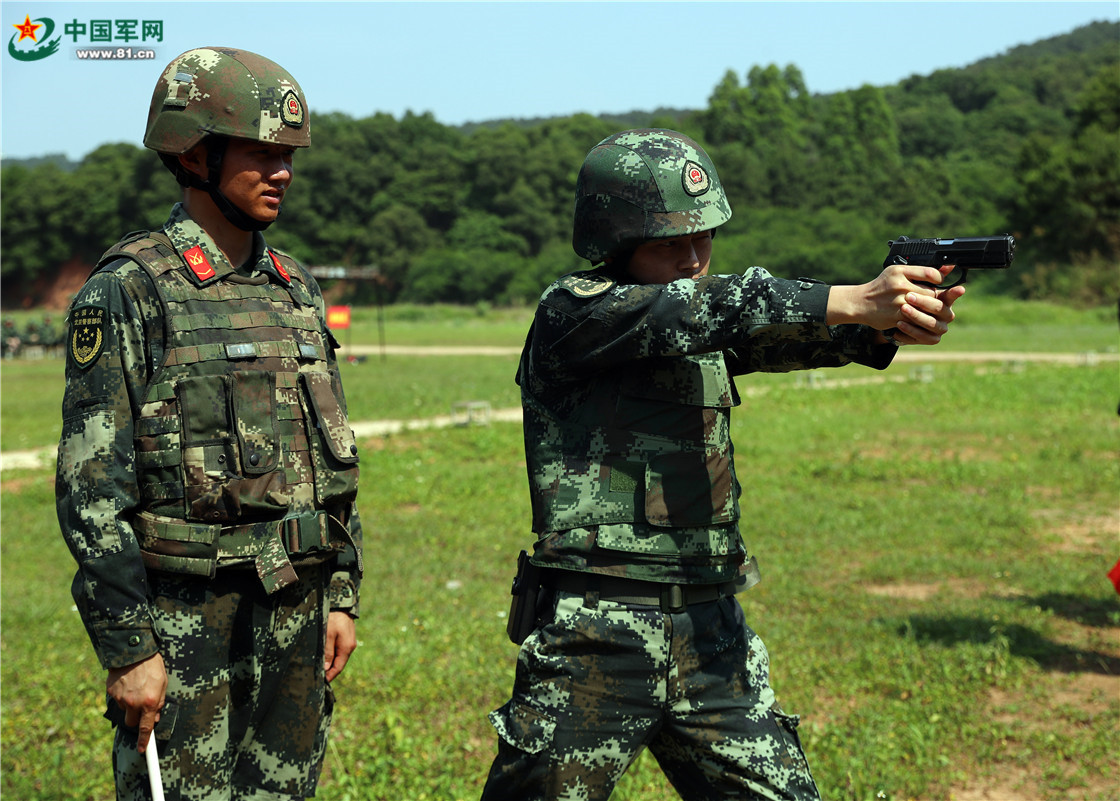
<point>672,600</point>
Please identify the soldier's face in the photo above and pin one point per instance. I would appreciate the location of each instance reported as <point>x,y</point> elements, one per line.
<point>659,261</point>
<point>255,176</point>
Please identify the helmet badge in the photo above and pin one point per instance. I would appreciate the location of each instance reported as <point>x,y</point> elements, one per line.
<point>695,179</point>
<point>291,110</point>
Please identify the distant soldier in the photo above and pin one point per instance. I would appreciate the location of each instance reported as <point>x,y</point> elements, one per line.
<point>627,384</point>
<point>33,333</point>
<point>206,471</point>
<point>52,337</point>
<point>11,340</point>
<point>31,343</point>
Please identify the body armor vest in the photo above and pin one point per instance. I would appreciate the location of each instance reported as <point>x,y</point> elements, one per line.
<point>649,444</point>
<point>243,450</point>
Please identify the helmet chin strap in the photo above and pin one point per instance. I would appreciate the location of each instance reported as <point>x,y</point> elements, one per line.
<point>215,152</point>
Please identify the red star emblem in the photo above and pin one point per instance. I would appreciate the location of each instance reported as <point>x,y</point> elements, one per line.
<point>27,29</point>
<point>279,267</point>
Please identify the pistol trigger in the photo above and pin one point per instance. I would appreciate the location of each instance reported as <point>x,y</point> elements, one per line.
<point>963,276</point>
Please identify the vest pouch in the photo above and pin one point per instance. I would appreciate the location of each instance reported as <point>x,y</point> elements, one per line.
<point>698,541</point>
<point>210,454</point>
<point>691,488</point>
<point>700,380</point>
<point>159,454</point>
<point>242,499</point>
<point>254,418</point>
<point>172,546</point>
<point>334,451</point>
<point>686,400</point>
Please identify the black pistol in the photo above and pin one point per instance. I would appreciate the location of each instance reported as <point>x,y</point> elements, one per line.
<point>967,253</point>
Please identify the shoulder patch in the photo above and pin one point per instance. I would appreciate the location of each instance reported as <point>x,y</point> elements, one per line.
<point>198,263</point>
<point>279,267</point>
<point>286,265</point>
<point>586,285</point>
<point>87,335</point>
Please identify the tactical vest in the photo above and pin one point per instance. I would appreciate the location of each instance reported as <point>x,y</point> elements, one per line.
<point>649,444</point>
<point>243,450</point>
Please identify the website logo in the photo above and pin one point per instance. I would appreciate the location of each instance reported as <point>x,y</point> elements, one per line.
<point>126,39</point>
<point>41,44</point>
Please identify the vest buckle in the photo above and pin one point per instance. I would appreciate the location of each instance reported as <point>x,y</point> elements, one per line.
<point>672,600</point>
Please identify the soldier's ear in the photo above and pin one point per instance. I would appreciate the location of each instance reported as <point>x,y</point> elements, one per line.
<point>194,161</point>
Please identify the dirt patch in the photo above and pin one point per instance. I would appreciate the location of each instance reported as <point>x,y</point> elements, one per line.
<point>913,591</point>
<point>1078,534</point>
<point>15,486</point>
<point>49,292</point>
<point>1015,784</point>
<point>1077,690</point>
<point>1055,705</point>
<point>66,284</point>
<point>1086,691</point>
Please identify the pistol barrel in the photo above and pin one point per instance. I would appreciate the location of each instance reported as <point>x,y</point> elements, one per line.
<point>983,252</point>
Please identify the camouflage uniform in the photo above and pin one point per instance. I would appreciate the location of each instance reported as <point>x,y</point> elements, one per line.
<point>206,483</point>
<point>627,391</point>
<point>186,522</point>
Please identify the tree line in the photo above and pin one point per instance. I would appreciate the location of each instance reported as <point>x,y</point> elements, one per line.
<point>1026,143</point>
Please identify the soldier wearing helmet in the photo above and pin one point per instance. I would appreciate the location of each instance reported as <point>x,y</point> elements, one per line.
<point>216,97</point>
<point>206,471</point>
<point>627,385</point>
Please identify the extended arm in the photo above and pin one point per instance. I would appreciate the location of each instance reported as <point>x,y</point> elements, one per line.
<point>920,314</point>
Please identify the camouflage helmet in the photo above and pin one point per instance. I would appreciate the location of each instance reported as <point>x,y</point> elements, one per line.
<point>234,93</point>
<point>648,183</point>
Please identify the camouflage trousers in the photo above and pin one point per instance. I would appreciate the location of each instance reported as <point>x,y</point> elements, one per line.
<point>603,680</point>
<point>248,707</point>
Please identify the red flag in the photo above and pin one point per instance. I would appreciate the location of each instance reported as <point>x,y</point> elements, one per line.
<point>338,317</point>
<point>1114,574</point>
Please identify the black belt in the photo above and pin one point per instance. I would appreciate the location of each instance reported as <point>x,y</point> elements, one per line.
<point>670,598</point>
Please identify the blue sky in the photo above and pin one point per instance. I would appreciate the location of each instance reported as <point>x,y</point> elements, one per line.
<point>470,61</point>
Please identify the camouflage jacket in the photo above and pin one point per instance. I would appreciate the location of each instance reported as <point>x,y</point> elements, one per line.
<point>627,392</point>
<point>184,444</point>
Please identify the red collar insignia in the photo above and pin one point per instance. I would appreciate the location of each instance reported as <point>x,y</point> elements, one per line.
<point>279,267</point>
<point>198,263</point>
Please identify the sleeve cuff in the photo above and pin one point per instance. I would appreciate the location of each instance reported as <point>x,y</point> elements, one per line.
<point>864,350</point>
<point>343,594</point>
<point>813,298</point>
<point>119,647</point>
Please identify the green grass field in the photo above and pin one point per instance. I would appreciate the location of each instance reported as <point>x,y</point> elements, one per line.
<point>934,556</point>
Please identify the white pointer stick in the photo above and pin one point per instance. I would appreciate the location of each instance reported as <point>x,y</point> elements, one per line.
<point>154,777</point>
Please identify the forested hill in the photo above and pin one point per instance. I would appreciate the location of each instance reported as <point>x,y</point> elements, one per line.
<point>1025,143</point>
